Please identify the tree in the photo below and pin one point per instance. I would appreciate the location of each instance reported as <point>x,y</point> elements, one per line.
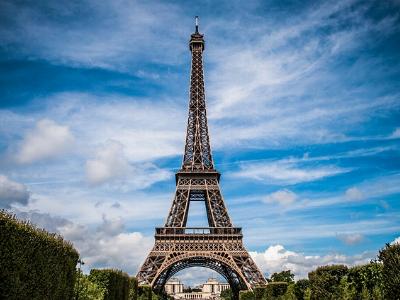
<point>366,277</point>
<point>347,290</point>
<point>133,288</point>
<point>325,281</point>
<point>284,276</point>
<point>87,290</point>
<point>300,288</point>
<point>389,256</point>
<point>289,295</point>
<point>307,294</point>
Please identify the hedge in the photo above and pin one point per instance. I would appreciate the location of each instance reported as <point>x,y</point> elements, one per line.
<point>275,289</point>
<point>34,264</point>
<point>246,295</point>
<point>115,282</point>
<point>259,292</point>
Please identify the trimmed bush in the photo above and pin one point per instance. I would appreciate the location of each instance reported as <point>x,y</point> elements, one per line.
<point>259,292</point>
<point>115,283</point>
<point>246,295</point>
<point>275,290</point>
<point>34,264</point>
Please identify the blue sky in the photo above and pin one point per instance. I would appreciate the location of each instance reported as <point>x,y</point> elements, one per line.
<point>303,106</point>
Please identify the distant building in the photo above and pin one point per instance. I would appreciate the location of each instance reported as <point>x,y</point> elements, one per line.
<point>173,286</point>
<point>213,286</point>
<point>211,290</point>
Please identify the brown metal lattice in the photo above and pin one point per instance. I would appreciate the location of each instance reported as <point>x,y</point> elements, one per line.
<point>219,246</point>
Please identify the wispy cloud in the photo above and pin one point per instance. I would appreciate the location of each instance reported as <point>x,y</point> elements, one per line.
<point>286,172</point>
<point>116,35</point>
<point>282,197</point>
<point>285,78</point>
<point>351,238</point>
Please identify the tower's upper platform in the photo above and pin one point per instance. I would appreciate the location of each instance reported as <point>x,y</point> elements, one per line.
<point>196,39</point>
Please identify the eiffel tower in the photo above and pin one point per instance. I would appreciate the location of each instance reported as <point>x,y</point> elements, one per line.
<point>219,246</point>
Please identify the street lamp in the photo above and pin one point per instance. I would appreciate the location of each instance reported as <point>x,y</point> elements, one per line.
<point>80,262</point>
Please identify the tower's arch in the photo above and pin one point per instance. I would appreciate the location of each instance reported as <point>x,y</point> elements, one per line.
<point>215,262</point>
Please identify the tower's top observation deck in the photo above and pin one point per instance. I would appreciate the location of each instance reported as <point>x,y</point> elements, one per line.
<point>196,39</point>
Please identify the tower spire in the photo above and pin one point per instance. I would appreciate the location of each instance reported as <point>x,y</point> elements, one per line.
<point>197,156</point>
<point>197,24</point>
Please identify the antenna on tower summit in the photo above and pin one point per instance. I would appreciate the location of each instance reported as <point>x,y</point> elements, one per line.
<point>197,24</point>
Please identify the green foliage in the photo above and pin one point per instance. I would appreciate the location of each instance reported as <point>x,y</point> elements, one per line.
<point>325,281</point>
<point>347,291</point>
<point>144,293</point>
<point>366,277</point>
<point>307,294</point>
<point>259,292</point>
<point>115,283</point>
<point>289,295</point>
<point>274,290</point>
<point>284,276</point>
<point>226,294</point>
<point>300,288</point>
<point>246,295</point>
<point>133,288</point>
<point>87,290</point>
<point>34,264</point>
<point>377,293</point>
<point>390,257</point>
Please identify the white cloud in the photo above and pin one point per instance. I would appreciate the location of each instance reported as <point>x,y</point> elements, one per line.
<point>12,192</point>
<point>48,139</point>
<point>285,172</point>
<point>351,238</point>
<point>395,134</point>
<point>108,246</point>
<point>276,258</point>
<point>354,194</point>
<point>110,163</point>
<point>147,130</point>
<point>396,241</point>
<point>282,197</point>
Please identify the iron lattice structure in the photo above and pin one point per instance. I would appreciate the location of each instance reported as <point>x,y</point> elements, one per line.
<point>219,246</point>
